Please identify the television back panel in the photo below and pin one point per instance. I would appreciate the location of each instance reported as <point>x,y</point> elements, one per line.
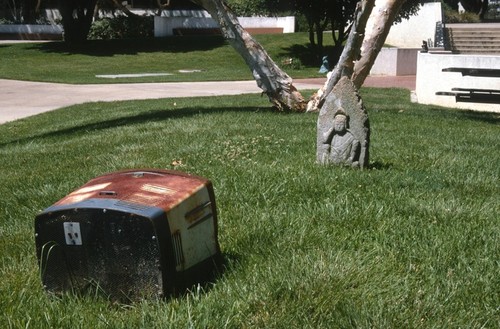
<point>131,234</point>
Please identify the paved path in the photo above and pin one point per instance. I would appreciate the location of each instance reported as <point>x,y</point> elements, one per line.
<point>19,99</point>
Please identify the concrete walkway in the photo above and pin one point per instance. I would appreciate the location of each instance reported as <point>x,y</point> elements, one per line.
<point>20,99</point>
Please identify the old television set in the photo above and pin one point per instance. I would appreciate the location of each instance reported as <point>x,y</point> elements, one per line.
<point>134,234</point>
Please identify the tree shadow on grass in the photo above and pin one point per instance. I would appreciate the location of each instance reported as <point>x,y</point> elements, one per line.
<point>108,48</point>
<point>151,116</point>
<point>492,118</point>
<point>308,55</point>
<point>379,165</point>
<point>229,262</point>
<point>486,117</point>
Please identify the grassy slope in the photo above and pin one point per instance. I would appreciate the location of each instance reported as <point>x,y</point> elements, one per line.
<point>410,243</point>
<point>56,62</point>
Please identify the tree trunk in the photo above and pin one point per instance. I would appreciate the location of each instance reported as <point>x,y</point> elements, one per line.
<point>77,19</point>
<point>312,36</point>
<point>351,63</point>
<point>319,36</point>
<point>275,83</point>
<point>382,18</point>
<point>350,53</point>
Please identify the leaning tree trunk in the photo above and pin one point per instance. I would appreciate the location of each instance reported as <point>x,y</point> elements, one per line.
<point>349,55</point>
<point>275,83</point>
<point>382,18</point>
<point>356,63</point>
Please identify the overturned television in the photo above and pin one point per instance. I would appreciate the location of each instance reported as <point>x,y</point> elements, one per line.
<point>133,235</point>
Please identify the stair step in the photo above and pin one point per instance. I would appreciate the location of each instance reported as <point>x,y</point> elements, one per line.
<point>476,43</point>
<point>474,39</point>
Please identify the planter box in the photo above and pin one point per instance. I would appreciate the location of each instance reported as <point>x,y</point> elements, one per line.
<point>431,79</point>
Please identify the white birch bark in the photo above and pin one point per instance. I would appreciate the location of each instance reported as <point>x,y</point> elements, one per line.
<point>349,55</point>
<point>381,20</point>
<point>274,82</point>
<point>362,46</point>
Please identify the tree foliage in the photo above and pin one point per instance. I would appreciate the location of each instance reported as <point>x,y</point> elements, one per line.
<point>479,7</point>
<point>320,15</point>
<point>259,7</point>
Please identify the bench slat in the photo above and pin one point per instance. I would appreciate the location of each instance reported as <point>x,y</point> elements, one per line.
<point>472,97</point>
<point>475,72</point>
<point>479,91</point>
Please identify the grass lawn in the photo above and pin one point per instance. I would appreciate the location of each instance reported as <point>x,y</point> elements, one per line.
<point>217,60</point>
<point>412,242</point>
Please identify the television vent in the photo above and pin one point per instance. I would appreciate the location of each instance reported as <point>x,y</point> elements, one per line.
<point>177,245</point>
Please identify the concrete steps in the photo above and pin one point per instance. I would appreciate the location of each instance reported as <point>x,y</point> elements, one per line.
<point>474,38</point>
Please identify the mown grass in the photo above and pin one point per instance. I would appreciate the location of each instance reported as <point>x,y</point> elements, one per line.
<point>411,242</point>
<point>217,60</point>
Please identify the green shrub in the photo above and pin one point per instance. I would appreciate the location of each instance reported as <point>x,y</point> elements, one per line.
<point>5,21</point>
<point>290,63</point>
<point>301,23</point>
<point>122,27</point>
<point>453,16</point>
<point>102,30</point>
<point>493,12</point>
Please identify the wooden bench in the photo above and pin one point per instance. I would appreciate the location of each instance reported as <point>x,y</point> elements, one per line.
<point>264,30</point>
<point>483,73</point>
<point>472,95</point>
<point>489,96</point>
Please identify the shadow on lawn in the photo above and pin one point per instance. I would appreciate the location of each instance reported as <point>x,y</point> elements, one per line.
<point>493,118</point>
<point>486,117</point>
<point>307,55</point>
<point>151,116</point>
<point>106,48</point>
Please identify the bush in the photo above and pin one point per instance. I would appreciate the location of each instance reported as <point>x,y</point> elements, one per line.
<point>290,63</point>
<point>301,23</point>
<point>122,27</point>
<point>453,16</point>
<point>465,17</point>
<point>5,21</point>
<point>493,12</point>
<point>253,7</point>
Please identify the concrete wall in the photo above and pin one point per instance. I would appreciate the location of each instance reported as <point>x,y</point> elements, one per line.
<point>410,33</point>
<point>31,29</point>
<point>287,23</point>
<point>395,62</point>
<point>164,26</point>
<point>170,20</point>
<point>431,79</point>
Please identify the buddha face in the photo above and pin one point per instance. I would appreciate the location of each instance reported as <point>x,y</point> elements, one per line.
<point>340,123</point>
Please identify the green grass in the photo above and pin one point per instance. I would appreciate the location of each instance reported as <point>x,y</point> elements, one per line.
<point>58,62</point>
<point>411,242</point>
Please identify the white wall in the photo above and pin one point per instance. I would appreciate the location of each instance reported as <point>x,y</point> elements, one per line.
<point>395,62</point>
<point>173,19</point>
<point>410,33</point>
<point>287,23</point>
<point>431,79</point>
